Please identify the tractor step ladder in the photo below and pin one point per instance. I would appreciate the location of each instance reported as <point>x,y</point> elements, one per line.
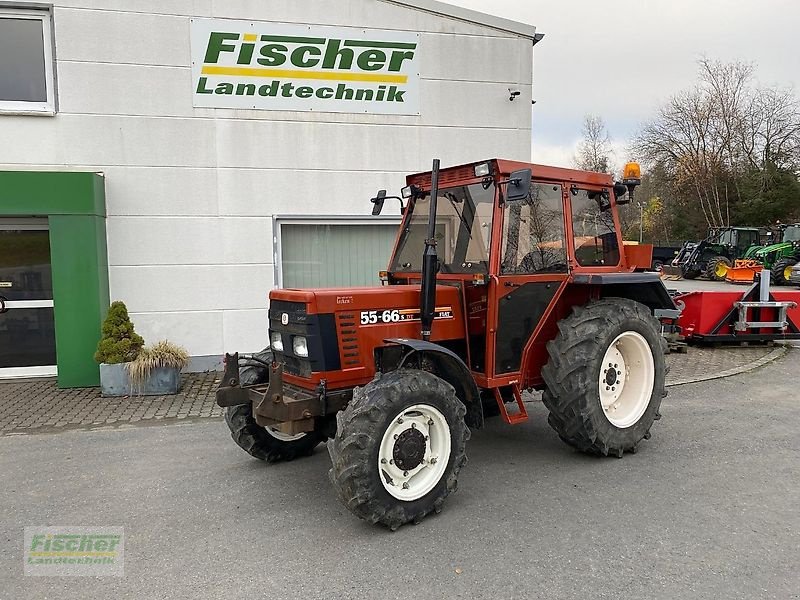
<point>518,417</point>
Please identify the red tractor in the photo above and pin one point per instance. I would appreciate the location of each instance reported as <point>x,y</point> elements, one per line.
<point>505,277</point>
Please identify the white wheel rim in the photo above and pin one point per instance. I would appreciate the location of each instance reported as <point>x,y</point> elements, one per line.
<point>417,430</point>
<point>627,376</point>
<point>284,437</point>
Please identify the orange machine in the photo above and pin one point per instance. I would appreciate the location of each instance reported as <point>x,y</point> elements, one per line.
<point>744,270</point>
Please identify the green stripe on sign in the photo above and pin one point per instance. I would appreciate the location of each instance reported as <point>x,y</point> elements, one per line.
<point>292,40</point>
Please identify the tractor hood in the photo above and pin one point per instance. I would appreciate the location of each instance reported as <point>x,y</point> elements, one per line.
<point>772,248</point>
<point>403,298</point>
<point>341,328</point>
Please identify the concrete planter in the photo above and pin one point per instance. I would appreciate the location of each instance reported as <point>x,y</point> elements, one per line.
<point>114,381</point>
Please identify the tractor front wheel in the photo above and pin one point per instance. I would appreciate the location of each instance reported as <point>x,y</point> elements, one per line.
<point>399,447</point>
<point>605,376</point>
<point>261,442</point>
<point>782,270</point>
<point>717,268</point>
<point>687,273</point>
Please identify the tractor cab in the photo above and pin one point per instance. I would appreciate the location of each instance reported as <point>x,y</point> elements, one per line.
<point>734,241</point>
<point>508,235</point>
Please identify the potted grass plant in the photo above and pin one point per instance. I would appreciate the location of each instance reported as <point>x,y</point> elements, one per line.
<point>157,369</point>
<point>118,346</point>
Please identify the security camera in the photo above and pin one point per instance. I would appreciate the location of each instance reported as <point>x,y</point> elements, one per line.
<point>513,94</point>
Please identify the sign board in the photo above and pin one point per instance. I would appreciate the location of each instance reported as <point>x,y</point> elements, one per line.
<point>279,66</point>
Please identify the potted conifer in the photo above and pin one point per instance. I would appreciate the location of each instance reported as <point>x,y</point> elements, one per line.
<point>119,345</point>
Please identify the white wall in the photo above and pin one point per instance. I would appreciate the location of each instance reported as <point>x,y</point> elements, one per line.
<point>190,191</point>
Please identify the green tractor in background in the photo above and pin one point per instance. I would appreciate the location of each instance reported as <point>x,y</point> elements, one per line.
<point>780,257</point>
<point>714,255</point>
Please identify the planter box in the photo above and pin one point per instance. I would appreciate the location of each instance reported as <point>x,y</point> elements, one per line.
<point>114,381</point>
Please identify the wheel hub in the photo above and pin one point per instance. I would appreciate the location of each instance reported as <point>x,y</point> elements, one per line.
<point>612,375</point>
<point>414,452</point>
<point>409,449</point>
<point>626,379</point>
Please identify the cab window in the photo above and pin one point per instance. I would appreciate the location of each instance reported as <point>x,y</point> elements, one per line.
<point>595,235</point>
<point>533,233</point>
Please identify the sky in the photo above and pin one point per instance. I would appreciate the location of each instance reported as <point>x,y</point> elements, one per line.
<point>621,59</point>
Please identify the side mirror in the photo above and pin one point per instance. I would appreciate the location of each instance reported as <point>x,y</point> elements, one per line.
<point>378,202</point>
<point>519,185</point>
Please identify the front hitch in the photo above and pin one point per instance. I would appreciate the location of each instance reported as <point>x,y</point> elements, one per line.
<point>229,392</point>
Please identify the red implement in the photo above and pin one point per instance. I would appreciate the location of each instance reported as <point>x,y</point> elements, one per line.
<point>735,317</point>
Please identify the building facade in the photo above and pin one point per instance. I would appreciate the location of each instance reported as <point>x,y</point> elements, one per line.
<point>186,157</point>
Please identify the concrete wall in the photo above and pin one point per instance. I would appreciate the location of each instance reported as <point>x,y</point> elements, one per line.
<point>190,191</point>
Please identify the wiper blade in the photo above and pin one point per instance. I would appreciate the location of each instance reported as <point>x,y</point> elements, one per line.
<point>450,197</point>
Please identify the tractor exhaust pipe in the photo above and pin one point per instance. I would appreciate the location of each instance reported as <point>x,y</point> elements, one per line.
<point>430,261</point>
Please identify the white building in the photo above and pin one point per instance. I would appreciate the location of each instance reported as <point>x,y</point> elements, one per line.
<point>213,124</point>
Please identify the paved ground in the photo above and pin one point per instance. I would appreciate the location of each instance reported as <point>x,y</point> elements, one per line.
<point>708,508</point>
<point>39,406</point>
<point>688,285</point>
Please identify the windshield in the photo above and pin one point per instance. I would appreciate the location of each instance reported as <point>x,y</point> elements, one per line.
<point>463,228</point>
<point>792,234</point>
<point>724,236</point>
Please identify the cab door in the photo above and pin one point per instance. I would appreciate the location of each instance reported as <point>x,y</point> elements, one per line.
<point>532,267</point>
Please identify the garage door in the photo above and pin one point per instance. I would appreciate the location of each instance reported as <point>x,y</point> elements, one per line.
<point>334,254</point>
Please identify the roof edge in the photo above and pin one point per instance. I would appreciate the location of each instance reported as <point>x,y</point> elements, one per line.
<point>470,16</point>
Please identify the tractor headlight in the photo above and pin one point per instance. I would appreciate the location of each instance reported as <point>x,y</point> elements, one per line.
<point>482,170</point>
<point>300,346</point>
<point>275,341</point>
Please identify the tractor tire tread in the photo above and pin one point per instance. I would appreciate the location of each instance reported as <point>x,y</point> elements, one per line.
<point>776,272</point>
<point>711,267</point>
<point>359,434</point>
<point>254,439</point>
<point>570,393</point>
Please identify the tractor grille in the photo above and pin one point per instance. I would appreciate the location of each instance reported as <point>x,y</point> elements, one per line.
<point>319,331</point>
<point>348,334</point>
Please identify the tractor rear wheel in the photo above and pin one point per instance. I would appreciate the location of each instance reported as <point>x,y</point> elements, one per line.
<point>261,442</point>
<point>717,268</point>
<point>782,270</point>
<point>399,447</point>
<point>605,376</point>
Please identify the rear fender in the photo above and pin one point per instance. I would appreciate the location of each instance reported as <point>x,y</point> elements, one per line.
<point>645,288</point>
<point>448,366</point>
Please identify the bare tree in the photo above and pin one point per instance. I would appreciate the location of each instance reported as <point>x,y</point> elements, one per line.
<point>594,150</point>
<point>710,138</point>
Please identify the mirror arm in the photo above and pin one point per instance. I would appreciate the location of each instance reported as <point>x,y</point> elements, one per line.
<point>378,201</point>
<point>402,206</point>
